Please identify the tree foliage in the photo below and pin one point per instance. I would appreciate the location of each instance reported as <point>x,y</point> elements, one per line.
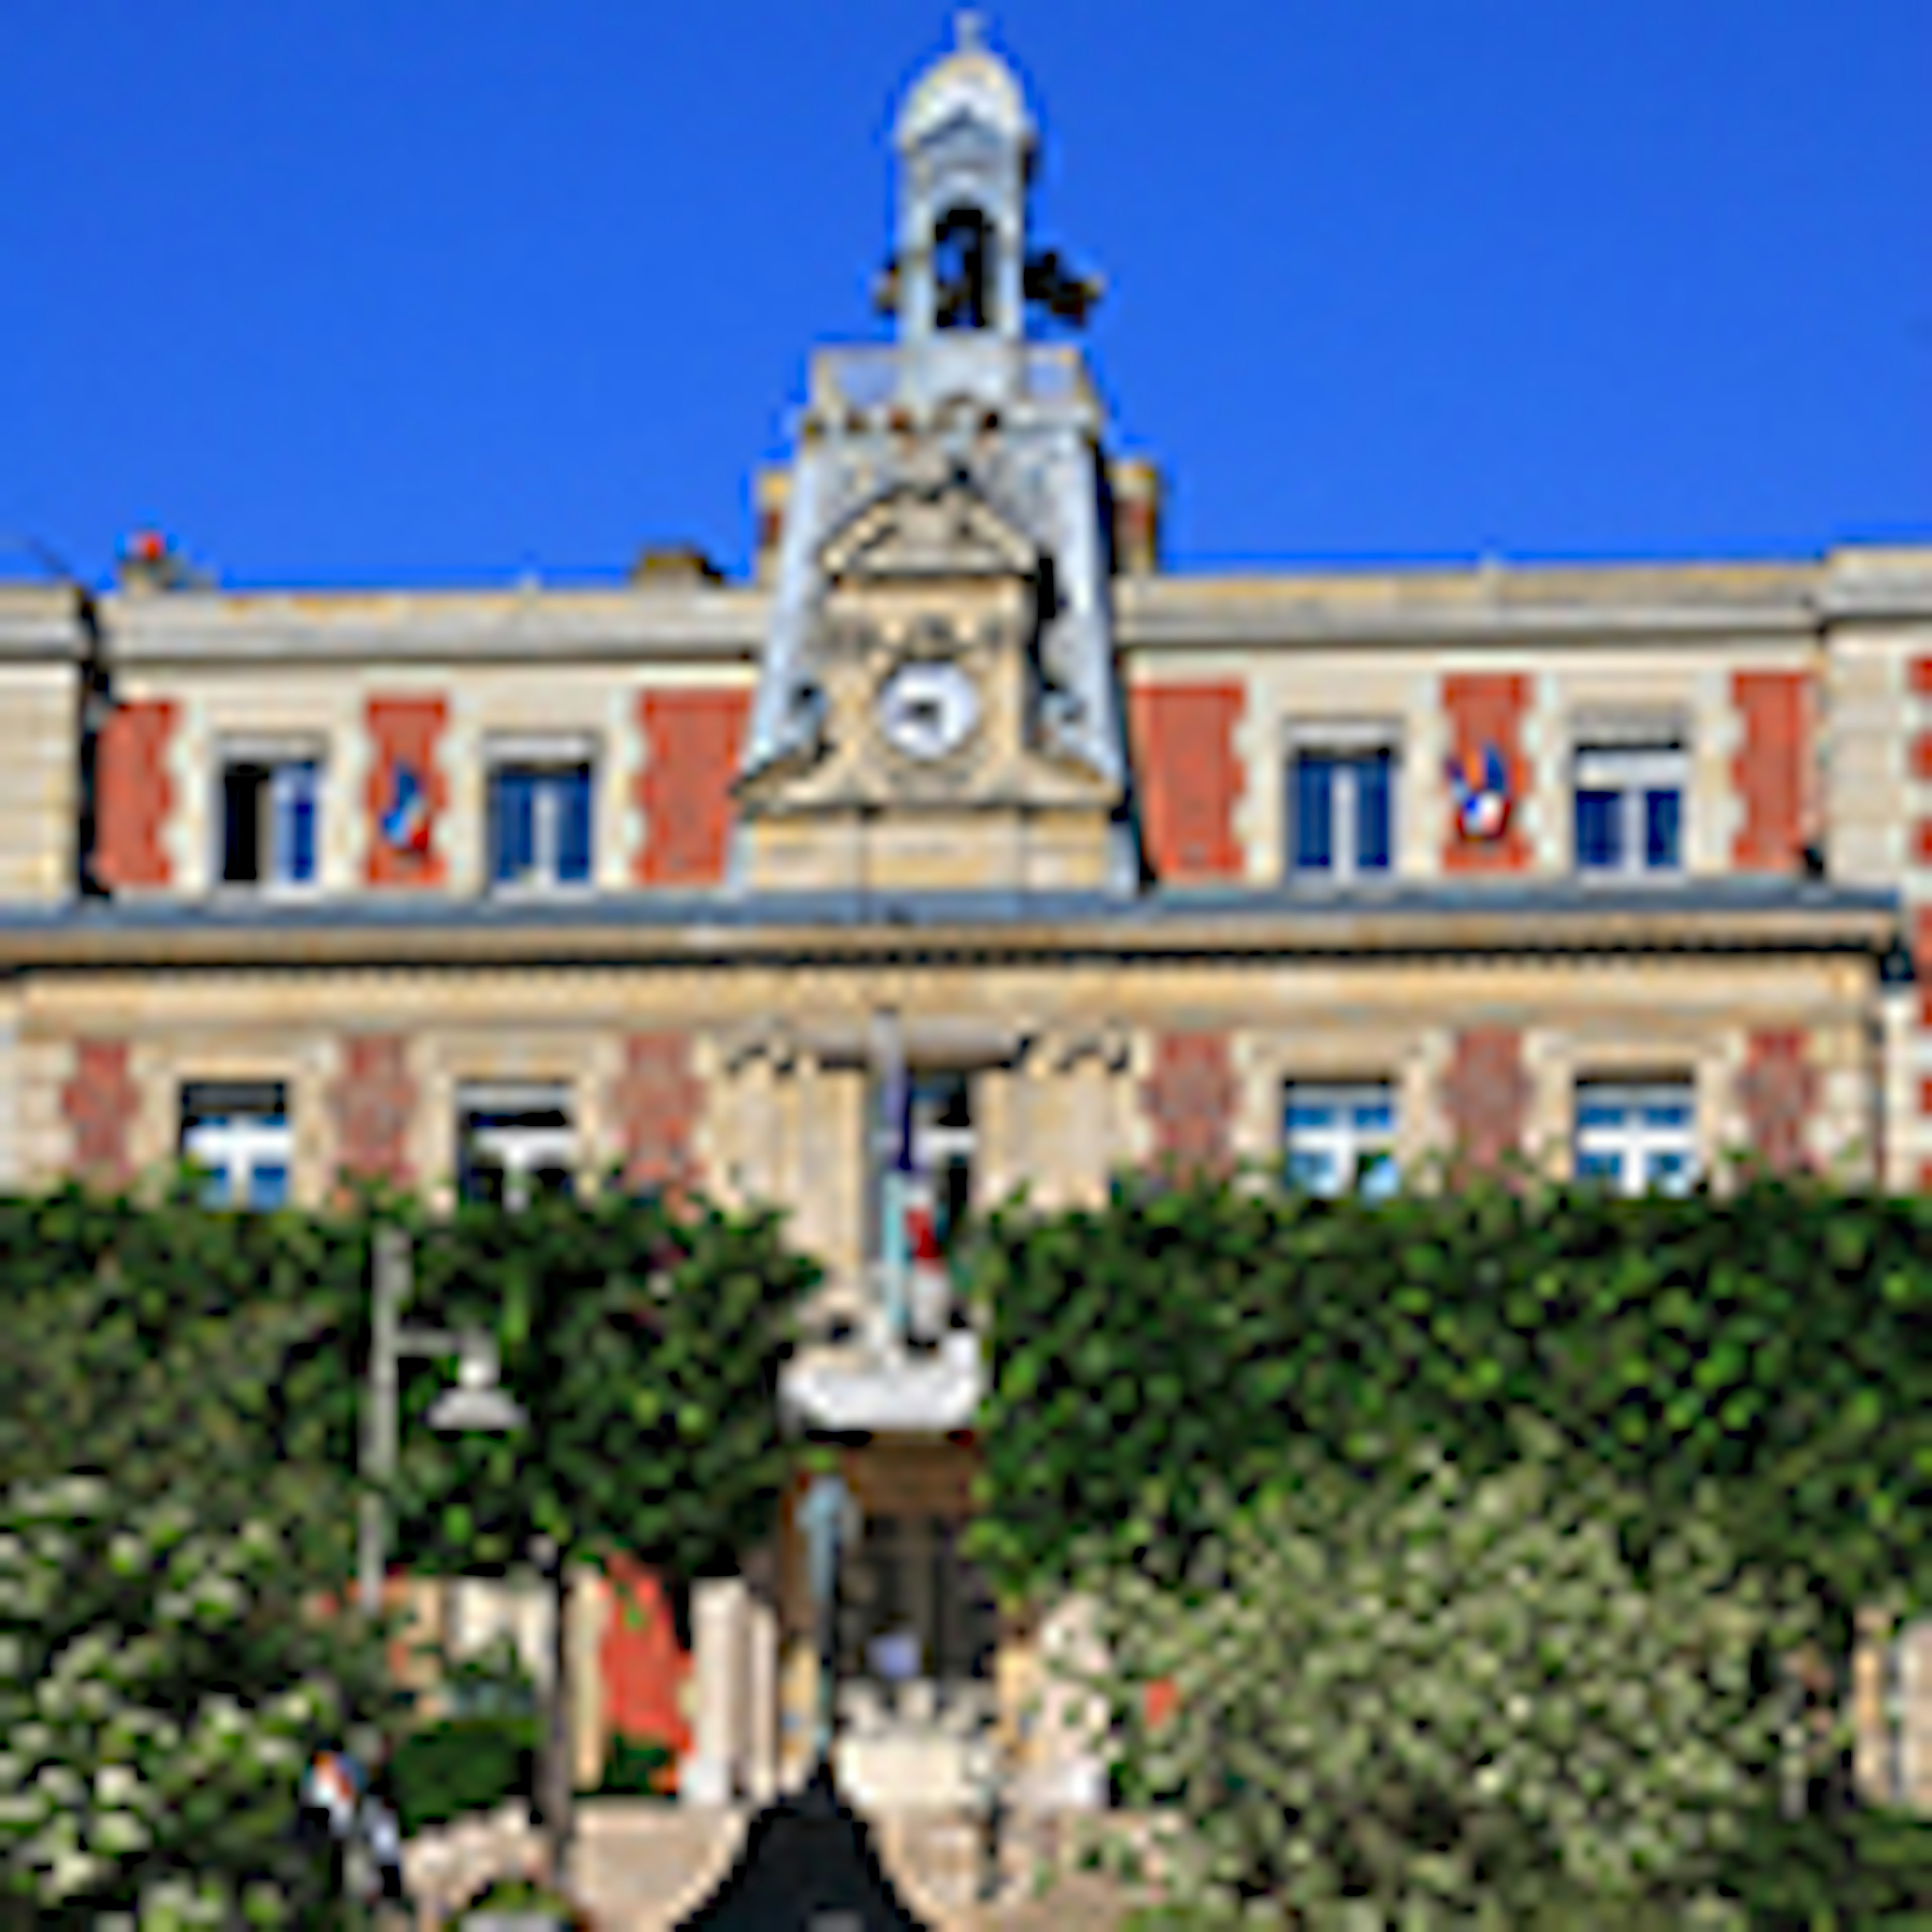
<point>1774,1342</point>
<point>162,1683</point>
<point>1408,1687</point>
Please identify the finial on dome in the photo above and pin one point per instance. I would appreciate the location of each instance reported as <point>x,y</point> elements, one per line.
<point>969,30</point>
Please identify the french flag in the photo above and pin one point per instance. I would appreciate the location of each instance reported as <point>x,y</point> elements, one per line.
<point>405,823</point>
<point>1481,786</point>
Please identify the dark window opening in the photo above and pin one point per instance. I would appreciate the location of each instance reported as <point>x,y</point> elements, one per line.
<point>963,270</point>
<point>244,789</point>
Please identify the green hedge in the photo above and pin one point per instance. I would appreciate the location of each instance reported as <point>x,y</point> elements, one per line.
<point>462,1764</point>
<point>1774,1341</point>
<point>1870,1867</point>
<point>635,1769</point>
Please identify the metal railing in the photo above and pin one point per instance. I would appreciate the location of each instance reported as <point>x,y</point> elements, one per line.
<point>867,377</point>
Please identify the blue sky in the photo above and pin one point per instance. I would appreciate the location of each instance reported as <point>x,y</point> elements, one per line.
<point>429,292</point>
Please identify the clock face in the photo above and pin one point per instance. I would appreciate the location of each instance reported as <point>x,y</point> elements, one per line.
<point>927,708</point>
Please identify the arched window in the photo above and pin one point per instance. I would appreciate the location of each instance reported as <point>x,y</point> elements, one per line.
<point>962,260</point>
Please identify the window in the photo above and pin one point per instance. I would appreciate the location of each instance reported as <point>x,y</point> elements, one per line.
<point>1341,810</point>
<point>540,814</point>
<point>1636,1137</point>
<point>514,1144</point>
<point>1630,808</point>
<point>269,808</point>
<point>1340,1139</point>
<point>239,1131</point>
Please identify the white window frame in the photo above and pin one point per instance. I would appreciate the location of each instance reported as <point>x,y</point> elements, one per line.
<point>538,755</point>
<point>284,760</point>
<point>1349,742</point>
<point>1349,1144</point>
<point>234,1144</point>
<point>1630,768</point>
<point>519,1151</point>
<point>1634,1141</point>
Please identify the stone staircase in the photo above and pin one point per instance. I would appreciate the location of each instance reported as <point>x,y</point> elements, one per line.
<point>640,1867</point>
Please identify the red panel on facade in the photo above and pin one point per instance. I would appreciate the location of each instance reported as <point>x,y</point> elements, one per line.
<point>98,1103</point>
<point>1484,709</point>
<point>693,740</point>
<point>373,1101</point>
<point>1486,1096</point>
<point>1190,1099</point>
<point>405,732</point>
<point>1771,769</point>
<point>1778,1090</point>
<point>655,1102</point>
<point>642,1667</point>
<point>1922,677</point>
<point>1189,777</point>
<point>132,795</point>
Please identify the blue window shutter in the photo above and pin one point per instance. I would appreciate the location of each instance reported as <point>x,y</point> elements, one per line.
<point>573,833</point>
<point>1374,827</point>
<point>1598,814</point>
<point>1663,827</point>
<point>513,830</point>
<point>295,820</point>
<point>1314,813</point>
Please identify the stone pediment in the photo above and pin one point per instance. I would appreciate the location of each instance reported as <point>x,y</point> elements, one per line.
<point>942,529</point>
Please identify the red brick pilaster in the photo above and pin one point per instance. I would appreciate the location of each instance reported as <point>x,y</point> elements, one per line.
<point>1778,1090</point>
<point>693,740</point>
<point>1485,709</point>
<point>1771,769</point>
<point>655,1101</point>
<point>1190,1099</point>
<point>133,796</point>
<point>1486,1095</point>
<point>98,1103</point>
<point>373,1102</point>
<point>642,1667</point>
<point>1188,774</point>
<point>406,731</point>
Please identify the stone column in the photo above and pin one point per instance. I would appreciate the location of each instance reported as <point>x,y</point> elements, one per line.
<point>718,1645</point>
<point>761,1698</point>
<point>589,1708</point>
<point>1071,1773</point>
<point>1915,1718</point>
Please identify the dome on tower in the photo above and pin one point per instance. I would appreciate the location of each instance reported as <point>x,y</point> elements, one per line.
<point>971,80</point>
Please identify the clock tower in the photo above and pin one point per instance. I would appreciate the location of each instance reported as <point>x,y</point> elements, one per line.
<point>939,706</point>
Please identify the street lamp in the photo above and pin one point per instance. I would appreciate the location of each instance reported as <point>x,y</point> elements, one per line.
<point>477,1402</point>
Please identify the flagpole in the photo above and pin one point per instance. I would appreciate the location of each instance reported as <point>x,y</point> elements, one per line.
<point>888,1063</point>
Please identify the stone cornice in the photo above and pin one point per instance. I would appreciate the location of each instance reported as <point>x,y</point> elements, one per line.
<point>1520,923</point>
<point>1502,605</point>
<point>40,624</point>
<point>660,624</point>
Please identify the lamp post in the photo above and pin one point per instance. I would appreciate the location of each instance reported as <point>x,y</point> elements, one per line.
<point>477,1403</point>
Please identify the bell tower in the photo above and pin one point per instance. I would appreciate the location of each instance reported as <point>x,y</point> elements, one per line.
<point>939,706</point>
<point>966,147</point>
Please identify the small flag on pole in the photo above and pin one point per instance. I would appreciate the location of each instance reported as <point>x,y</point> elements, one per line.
<point>405,823</point>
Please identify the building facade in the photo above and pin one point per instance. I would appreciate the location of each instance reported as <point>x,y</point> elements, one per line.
<point>963,845</point>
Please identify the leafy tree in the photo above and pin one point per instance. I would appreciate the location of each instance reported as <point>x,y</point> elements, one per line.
<point>1401,1685</point>
<point>163,1681</point>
